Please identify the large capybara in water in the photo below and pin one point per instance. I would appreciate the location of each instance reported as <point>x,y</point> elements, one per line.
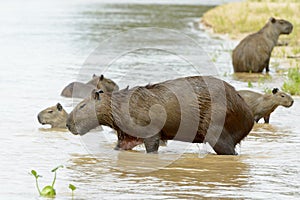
<point>262,105</point>
<point>56,116</point>
<point>82,90</point>
<point>253,53</point>
<point>193,109</point>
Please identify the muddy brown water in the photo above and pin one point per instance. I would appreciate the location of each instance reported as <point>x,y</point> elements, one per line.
<point>44,46</point>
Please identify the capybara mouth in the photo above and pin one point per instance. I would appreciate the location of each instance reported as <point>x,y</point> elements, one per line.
<point>76,131</point>
<point>288,30</point>
<point>72,129</point>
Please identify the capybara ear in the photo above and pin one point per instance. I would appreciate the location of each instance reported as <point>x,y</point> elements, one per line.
<point>272,19</point>
<point>275,90</point>
<point>59,107</point>
<point>94,75</point>
<point>101,77</point>
<point>96,94</point>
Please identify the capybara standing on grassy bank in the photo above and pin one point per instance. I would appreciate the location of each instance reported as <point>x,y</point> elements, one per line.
<point>56,116</point>
<point>262,105</point>
<point>253,53</point>
<point>82,90</point>
<point>193,109</point>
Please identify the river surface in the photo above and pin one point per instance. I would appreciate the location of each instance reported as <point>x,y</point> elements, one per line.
<point>44,45</point>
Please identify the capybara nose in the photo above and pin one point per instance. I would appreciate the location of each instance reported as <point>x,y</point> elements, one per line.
<point>68,126</point>
<point>292,102</point>
<point>39,119</point>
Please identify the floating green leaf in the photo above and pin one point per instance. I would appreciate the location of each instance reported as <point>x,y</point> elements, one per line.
<point>56,168</point>
<point>48,191</point>
<point>72,187</point>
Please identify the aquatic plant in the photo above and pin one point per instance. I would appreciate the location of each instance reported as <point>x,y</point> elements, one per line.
<point>250,85</point>
<point>73,188</point>
<point>47,191</point>
<point>292,85</point>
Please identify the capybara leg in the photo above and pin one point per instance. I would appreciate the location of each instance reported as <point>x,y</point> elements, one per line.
<point>224,149</point>
<point>256,119</point>
<point>267,119</point>
<point>152,143</point>
<point>224,146</point>
<point>267,65</point>
<point>117,147</point>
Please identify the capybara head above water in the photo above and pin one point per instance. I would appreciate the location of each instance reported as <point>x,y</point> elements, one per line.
<point>104,84</point>
<point>56,116</point>
<point>77,90</point>
<point>82,90</point>
<point>262,105</point>
<point>191,109</point>
<point>281,98</point>
<point>253,53</point>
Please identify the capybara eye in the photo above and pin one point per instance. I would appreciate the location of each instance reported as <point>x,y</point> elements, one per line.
<point>50,111</point>
<point>282,96</point>
<point>82,106</point>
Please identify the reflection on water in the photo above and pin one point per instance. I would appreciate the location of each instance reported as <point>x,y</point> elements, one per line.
<point>187,177</point>
<point>252,77</point>
<point>43,47</point>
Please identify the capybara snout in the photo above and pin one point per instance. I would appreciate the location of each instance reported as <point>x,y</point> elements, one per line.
<point>284,26</point>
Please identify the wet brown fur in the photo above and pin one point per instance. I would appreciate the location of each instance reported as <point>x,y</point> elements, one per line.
<point>262,105</point>
<point>253,53</point>
<point>82,90</point>
<point>198,112</point>
<point>56,116</point>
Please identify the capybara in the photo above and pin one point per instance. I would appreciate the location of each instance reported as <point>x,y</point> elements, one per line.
<point>195,109</point>
<point>77,90</point>
<point>82,90</point>
<point>262,105</point>
<point>56,116</point>
<point>104,84</point>
<point>253,53</point>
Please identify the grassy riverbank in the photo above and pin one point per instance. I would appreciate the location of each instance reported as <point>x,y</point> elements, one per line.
<point>239,19</point>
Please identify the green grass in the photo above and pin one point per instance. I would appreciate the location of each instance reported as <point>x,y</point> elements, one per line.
<point>296,50</point>
<point>239,19</point>
<point>292,85</point>
<point>250,16</point>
